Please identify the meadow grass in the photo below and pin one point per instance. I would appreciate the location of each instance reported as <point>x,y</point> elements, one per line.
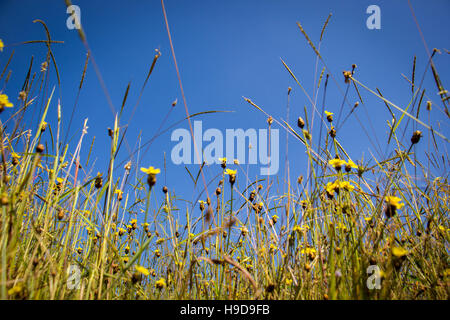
<point>268,238</point>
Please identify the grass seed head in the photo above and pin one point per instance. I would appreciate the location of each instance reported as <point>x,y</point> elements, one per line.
<point>40,148</point>
<point>416,137</point>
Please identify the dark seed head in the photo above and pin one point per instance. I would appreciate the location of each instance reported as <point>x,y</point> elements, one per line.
<point>360,171</point>
<point>416,137</point>
<point>60,214</point>
<point>4,200</point>
<point>98,182</point>
<point>151,180</point>
<point>40,148</point>
<point>135,278</point>
<point>333,132</point>
<point>390,211</point>
<point>330,118</point>
<point>270,287</point>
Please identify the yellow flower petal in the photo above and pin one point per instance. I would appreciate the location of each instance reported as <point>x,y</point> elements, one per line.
<point>394,201</point>
<point>399,252</point>
<point>337,163</point>
<point>230,172</point>
<point>150,170</point>
<point>351,164</point>
<point>142,270</point>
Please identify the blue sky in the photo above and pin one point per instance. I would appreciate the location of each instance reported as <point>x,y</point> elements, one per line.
<point>226,50</point>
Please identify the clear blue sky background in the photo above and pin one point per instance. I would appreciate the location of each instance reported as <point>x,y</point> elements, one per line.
<point>226,50</point>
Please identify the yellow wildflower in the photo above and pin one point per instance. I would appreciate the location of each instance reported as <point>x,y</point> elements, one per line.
<point>223,162</point>
<point>399,252</point>
<point>161,283</point>
<point>150,170</point>
<point>151,175</point>
<point>142,270</point>
<point>394,201</point>
<point>4,102</point>
<point>15,155</point>
<point>119,194</point>
<point>16,289</point>
<point>447,273</point>
<point>331,188</point>
<point>299,228</point>
<point>145,225</point>
<point>342,226</point>
<point>337,163</point>
<point>230,172</point>
<point>2,45</point>
<point>262,250</point>
<point>346,185</point>
<point>304,204</point>
<point>308,251</point>
<point>202,204</point>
